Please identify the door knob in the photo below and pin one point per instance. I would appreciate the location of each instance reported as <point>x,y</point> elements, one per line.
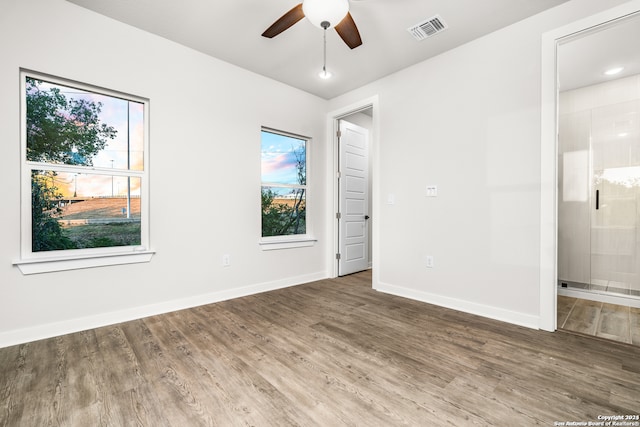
<point>366,217</point>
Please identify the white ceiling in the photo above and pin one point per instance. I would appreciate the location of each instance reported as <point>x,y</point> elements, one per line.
<point>582,60</point>
<point>231,31</point>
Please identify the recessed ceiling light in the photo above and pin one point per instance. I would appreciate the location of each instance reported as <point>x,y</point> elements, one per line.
<point>623,134</point>
<point>613,71</point>
<point>324,74</point>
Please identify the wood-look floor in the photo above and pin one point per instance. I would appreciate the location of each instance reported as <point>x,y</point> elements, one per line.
<point>327,353</point>
<point>608,321</point>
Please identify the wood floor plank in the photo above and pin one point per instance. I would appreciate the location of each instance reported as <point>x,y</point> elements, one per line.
<point>585,317</point>
<point>13,382</point>
<point>280,355</point>
<point>180,378</point>
<point>328,353</point>
<point>613,323</point>
<point>248,384</point>
<point>43,399</point>
<point>564,306</point>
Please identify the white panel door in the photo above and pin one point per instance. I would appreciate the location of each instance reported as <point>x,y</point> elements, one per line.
<point>354,199</point>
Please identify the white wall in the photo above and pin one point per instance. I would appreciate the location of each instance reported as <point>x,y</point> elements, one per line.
<point>205,172</point>
<point>469,122</point>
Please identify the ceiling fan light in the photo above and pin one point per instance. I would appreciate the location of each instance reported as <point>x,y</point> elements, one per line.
<point>324,74</point>
<point>332,11</point>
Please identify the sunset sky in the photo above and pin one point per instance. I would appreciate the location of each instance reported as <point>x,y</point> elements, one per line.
<point>279,159</point>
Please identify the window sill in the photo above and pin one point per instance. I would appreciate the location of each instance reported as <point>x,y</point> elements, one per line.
<point>284,243</point>
<point>48,265</point>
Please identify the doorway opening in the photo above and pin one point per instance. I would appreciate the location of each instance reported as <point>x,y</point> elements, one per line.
<point>549,148</point>
<point>598,180</point>
<point>354,137</point>
<point>599,163</point>
<point>354,189</point>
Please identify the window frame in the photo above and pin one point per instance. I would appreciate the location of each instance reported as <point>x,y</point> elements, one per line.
<point>31,262</point>
<point>290,240</point>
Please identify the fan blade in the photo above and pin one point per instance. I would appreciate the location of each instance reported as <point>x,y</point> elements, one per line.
<point>349,32</point>
<point>285,21</point>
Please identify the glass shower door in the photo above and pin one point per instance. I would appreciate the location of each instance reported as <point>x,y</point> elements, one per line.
<point>615,195</point>
<point>574,199</point>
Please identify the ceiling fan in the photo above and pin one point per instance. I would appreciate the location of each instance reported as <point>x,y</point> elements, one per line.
<point>323,14</point>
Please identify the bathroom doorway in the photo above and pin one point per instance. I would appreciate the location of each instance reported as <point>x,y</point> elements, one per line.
<point>598,164</point>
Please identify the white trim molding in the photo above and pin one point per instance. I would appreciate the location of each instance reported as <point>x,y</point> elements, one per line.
<point>47,265</point>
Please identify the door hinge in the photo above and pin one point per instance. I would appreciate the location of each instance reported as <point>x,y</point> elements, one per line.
<point>338,215</point>
<point>337,256</point>
<point>339,134</point>
<point>338,174</point>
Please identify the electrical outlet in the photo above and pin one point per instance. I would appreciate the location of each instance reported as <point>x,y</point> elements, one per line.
<point>226,260</point>
<point>432,191</point>
<point>429,261</point>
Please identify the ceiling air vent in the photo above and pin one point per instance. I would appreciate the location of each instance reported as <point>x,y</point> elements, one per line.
<point>427,28</point>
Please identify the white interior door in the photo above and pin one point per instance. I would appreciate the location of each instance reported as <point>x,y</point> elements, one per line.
<point>354,198</point>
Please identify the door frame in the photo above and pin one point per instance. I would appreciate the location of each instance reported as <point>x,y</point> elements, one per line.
<point>549,151</point>
<point>333,119</point>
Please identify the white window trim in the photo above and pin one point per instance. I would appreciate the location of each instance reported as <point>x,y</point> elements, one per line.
<point>51,261</point>
<point>293,241</point>
<point>51,264</point>
<point>282,242</point>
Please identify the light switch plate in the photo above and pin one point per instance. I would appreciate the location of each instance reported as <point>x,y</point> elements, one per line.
<point>429,261</point>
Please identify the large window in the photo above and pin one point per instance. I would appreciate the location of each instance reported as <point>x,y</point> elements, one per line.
<point>284,184</point>
<point>84,174</point>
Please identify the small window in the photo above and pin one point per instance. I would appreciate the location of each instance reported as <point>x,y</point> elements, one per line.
<point>84,172</point>
<point>284,184</point>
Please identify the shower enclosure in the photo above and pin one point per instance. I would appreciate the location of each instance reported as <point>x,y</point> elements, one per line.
<point>599,188</point>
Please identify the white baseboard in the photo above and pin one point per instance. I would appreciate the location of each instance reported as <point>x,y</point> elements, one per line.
<point>516,318</point>
<point>49,330</point>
